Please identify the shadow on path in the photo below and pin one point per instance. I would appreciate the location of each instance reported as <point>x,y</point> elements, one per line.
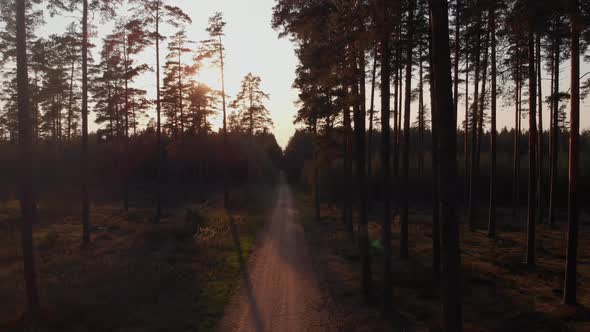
<point>254,310</point>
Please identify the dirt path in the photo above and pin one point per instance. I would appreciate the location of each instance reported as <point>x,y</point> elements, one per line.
<point>280,290</point>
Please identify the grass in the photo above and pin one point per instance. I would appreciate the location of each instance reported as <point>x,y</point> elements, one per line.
<point>136,276</point>
<point>500,292</point>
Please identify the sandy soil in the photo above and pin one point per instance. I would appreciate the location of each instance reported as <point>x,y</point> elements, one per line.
<point>280,289</point>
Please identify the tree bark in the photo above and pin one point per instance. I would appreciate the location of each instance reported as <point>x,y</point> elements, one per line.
<point>85,194</point>
<point>569,293</point>
<point>126,81</point>
<point>540,151</point>
<point>316,191</point>
<point>474,132</point>
<point>225,144</point>
<point>493,129</point>
<point>28,204</point>
<point>554,130</point>
<point>516,159</point>
<point>457,55</point>
<point>531,220</point>
<point>159,148</point>
<point>370,134</point>
<point>404,188</point>
<point>359,131</point>
<point>451,256</point>
<point>71,103</point>
<point>466,147</point>
<point>435,166</point>
<point>385,160</point>
<point>347,208</point>
<point>420,114</point>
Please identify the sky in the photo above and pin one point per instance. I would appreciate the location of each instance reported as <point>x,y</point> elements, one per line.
<point>253,46</point>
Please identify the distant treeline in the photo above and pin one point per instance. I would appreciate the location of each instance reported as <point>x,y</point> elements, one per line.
<point>298,165</point>
<point>193,167</point>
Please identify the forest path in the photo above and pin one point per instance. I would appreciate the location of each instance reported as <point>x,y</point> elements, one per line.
<point>279,287</point>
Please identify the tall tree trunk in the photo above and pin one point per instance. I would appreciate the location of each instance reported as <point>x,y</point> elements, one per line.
<point>71,103</point>
<point>370,134</point>
<point>404,188</point>
<point>359,131</point>
<point>159,149</point>
<point>457,55</point>
<point>225,143</point>
<point>516,164</point>
<point>126,81</point>
<point>482,102</point>
<point>28,203</point>
<point>531,222</point>
<point>180,106</point>
<point>466,147</point>
<point>420,115</point>
<point>385,158</point>
<point>397,117</point>
<point>554,130</point>
<point>84,173</point>
<point>569,293</point>
<point>316,180</point>
<point>474,132</point>
<point>347,208</point>
<point>540,151</point>
<point>445,121</point>
<point>435,164</point>
<point>397,110</point>
<point>493,130</point>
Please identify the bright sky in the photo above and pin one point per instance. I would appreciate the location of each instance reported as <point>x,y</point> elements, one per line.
<point>253,46</point>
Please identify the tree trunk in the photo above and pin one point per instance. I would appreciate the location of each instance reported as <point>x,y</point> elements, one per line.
<point>359,131</point>
<point>347,208</point>
<point>569,293</point>
<point>125,169</point>
<point>225,145</point>
<point>385,161</point>
<point>531,220</point>
<point>451,256</point>
<point>28,205</point>
<point>159,148</point>
<point>71,103</point>
<point>316,180</point>
<point>474,132</point>
<point>457,56</point>
<point>554,131</point>
<point>397,118</point>
<point>493,130</point>
<point>85,194</point>
<point>435,164</point>
<point>370,134</point>
<point>482,100</point>
<point>420,115</point>
<point>404,188</point>
<point>466,147</point>
<point>540,151</point>
<point>516,165</point>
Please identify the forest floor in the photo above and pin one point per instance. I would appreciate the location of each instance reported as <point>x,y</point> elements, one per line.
<point>136,275</point>
<point>500,292</point>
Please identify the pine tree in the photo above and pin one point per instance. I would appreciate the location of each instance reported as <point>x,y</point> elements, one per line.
<point>25,131</point>
<point>445,122</point>
<point>153,14</point>
<point>252,116</point>
<point>177,75</point>
<point>213,48</point>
